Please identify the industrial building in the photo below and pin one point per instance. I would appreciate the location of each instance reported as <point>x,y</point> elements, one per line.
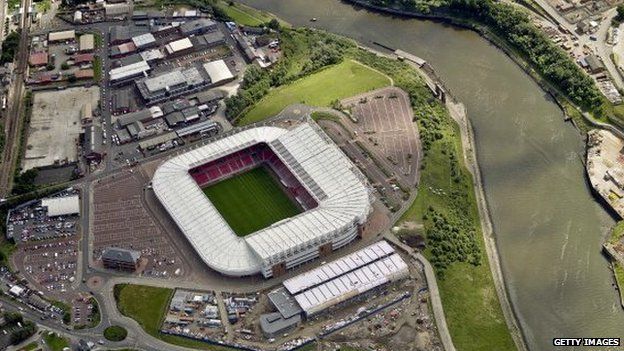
<point>171,84</point>
<point>121,259</point>
<point>122,49</point>
<point>196,27</point>
<point>139,116</point>
<point>331,189</point>
<point>130,72</point>
<point>67,35</point>
<point>119,35</point>
<point>218,72</point>
<point>86,43</point>
<point>332,284</point>
<point>37,59</point>
<point>144,41</point>
<point>61,206</point>
<point>179,47</point>
<point>92,143</point>
<point>152,55</point>
<point>207,41</point>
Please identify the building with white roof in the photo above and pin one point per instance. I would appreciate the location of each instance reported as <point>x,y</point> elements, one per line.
<point>332,284</point>
<point>144,40</point>
<point>62,206</point>
<point>65,35</point>
<point>218,71</point>
<point>342,196</point>
<point>134,70</point>
<point>179,46</point>
<point>171,84</point>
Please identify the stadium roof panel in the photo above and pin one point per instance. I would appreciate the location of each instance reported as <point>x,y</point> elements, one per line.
<point>346,205</point>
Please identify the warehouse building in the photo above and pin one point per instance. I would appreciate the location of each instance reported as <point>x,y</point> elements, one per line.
<point>144,41</point>
<point>204,127</point>
<point>61,206</point>
<point>121,101</point>
<point>207,41</point>
<point>67,35</point>
<point>152,55</point>
<point>119,35</point>
<point>130,72</point>
<point>331,285</point>
<point>139,116</point>
<point>122,49</point>
<point>218,72</point>
<point>196,27</point>
<point>179,47</point>
<point>86,43</point>
<point>37,59</point>
<point>92,148</point>
<point>121,259</point>
<point>171,84</point>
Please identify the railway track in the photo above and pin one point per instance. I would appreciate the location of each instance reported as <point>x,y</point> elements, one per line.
<point>13,121</point>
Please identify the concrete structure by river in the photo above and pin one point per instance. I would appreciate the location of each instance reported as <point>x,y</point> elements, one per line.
<point>548,226</point>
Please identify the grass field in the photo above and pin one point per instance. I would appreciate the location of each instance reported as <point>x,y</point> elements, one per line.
<point>245,15</point>
<point>147,305</point>
<point>471,306</point>
<point>320,89</point>
<point>251,201</point>
<point>55,342</point>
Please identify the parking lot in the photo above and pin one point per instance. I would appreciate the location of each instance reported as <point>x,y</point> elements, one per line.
<point>50,266</point>
<point>121,219</point>
<point>385,123</point>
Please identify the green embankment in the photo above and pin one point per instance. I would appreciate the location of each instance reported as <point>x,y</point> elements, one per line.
<point>251,201</point>
<point>345,79</point>
<point>446,203</point>
<point>148,305</point>
<point>244,15</point>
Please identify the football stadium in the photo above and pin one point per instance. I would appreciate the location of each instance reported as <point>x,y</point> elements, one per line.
<point>265,199</point>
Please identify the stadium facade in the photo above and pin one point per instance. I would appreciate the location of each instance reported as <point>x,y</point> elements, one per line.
<point>334,194</point>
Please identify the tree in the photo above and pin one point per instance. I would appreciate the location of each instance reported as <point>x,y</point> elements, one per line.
<point>273,24</point>
<point>620,13</point>
<point>64,66</point>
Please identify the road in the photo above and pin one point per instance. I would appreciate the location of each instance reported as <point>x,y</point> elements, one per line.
<point>604,50</point>
<point>554,14</point>
<point>13,121</point>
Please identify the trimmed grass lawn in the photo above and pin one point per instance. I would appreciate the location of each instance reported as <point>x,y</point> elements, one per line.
<point>55,342</point>
<point>115,333</point>
<point>345,79</point>
<point>251,201</point>
<point>147,305</point>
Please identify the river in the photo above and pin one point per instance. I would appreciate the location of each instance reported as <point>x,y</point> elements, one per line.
<point>549,229</point>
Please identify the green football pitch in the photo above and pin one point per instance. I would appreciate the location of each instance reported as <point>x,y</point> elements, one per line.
<point>251,201</point>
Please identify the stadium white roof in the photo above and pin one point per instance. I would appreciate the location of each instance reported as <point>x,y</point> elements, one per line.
<point>61,206</point>
<point>218,71</point>
<point>330,177</point>
<point>131,70</point>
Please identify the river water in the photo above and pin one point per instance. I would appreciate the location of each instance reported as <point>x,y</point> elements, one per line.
<point>549,229</point>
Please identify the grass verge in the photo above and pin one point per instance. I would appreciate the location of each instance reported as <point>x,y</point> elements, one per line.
<point>336,82</point>
<point>618,271</point>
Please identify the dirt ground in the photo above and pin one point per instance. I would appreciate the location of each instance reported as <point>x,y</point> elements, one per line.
<point>55,126</point>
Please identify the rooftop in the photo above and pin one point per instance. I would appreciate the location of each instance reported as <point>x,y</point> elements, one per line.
<point>327,174</point>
